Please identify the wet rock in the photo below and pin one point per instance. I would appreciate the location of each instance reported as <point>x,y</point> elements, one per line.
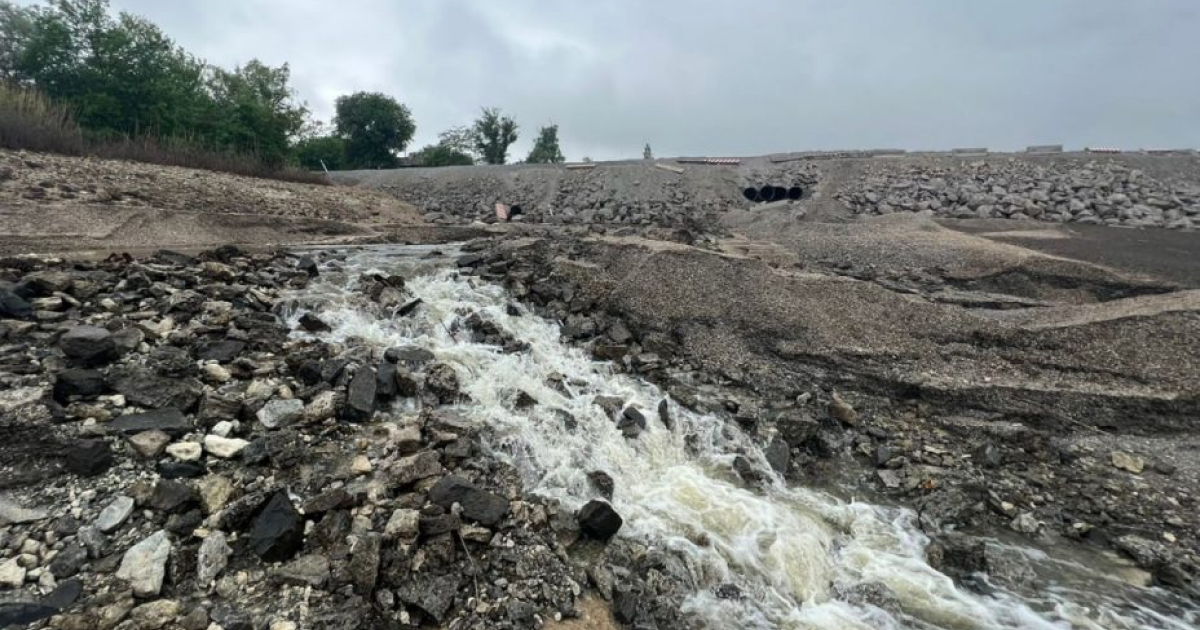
<point>632,422</point>
<point>114,514</point>
<point>875,594</point>
<point>778,454</point>
<point>664,415</point>
<point>212,558</point>
<point>88,458</point>
<point>747,471</point>
<point>277,533</point>
<point>360,395</point>
<point>599,520</point>
<point>14,306</point>
<point>841,411</point>
<point>411,356</point>
<point>280,413</point>
<point>88,345</point>
<point>84,383</point>
<point>313,324</point>
<point>145,564</point>
<point>442,381</point>
<point>170,421</point>
<point>957,555</point>
<point>603,483</point>
<point>478,505</point>
<point>308,266</point>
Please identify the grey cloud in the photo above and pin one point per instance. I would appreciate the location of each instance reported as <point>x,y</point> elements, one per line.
<point>736,78</point>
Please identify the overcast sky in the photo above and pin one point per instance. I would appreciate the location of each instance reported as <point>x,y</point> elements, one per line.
<point>735,77</point>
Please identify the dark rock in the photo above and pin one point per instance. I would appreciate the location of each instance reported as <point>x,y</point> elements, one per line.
<point>221,351</point>
<point>407,309</point>
<point>61,598</point>
<point>632,422</point>
<point>88,458</point>
<point>478,505</point>
<point>796,427</point>
<point>79,382</point>
<point>603,483</point>
<point>433,596</point>
<point>599,520</point>
<point>442,381</point>
<point>68,561</point>
<point>144,388</point>
<point>173,496</point>
<point>957,555</point>
<point>883,455</point>
<point>278,531</point>
<point>182,470</point>
<point>664,415</point>
<point>169,420</point>
<point>24,613</point>
<point>385,381</point>
<point>216,406</point>
<point>430,526</point>
<point>308,266</point>
<point>409,355</point>
<point>778,455</point>
<point>13,306</point>
<point>470,260</point>
<point>746,470</point>
<point>988,455</point>
<point>172,361</point>
<point>88,345</point>
<point>238,513</point>
<point>406,384</point>
<point>360,395</point>
<point>313,324</point>
<point>334,499</point>
<point>184,524</point>
<point>626,604</point>
<point>610,404</point>
<point>169,257</point>
<point>524,400</point>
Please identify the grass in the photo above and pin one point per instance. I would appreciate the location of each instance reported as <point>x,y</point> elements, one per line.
<point>30,121</point>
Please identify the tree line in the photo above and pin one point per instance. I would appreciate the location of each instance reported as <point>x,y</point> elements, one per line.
<point>123,77</point>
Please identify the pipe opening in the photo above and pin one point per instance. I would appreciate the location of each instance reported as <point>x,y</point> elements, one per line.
<point>795,193</point>
<point>751,193</point>
<point>767,193</point>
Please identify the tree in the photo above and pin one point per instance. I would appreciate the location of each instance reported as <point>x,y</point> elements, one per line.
<point>493,135</point>
<point>460,140</point>
<point>375,127</point>
<point>443,155</point>
<point>256,111</point>
<point>545,148</point>
<point>321,151</point>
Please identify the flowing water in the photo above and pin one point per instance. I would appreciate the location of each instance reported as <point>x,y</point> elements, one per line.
<point>793,552</point>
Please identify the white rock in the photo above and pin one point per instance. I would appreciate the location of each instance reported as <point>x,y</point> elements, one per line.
<point>114,514</point>
<point>212,558</point>
<point>216,373</point>
<point>12,574</point>
<point>185,451</point>
<point>150,443</point>
<point>222,447</point>
<point>145,564</point>
<point>278,413</point>
<point>12,513</point>
<point>223,428</point>
<point>1125,461</point>
<point>403,524</point>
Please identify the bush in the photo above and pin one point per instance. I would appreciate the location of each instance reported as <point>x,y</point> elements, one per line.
<point>33,122</point>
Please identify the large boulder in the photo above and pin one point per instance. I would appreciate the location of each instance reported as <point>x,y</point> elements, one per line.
<point>88,345</point>
<point>599,520</point>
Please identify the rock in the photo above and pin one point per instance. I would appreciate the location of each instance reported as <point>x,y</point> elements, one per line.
<point>478,505</point>
<point>222,351</point>
<point>664,415</point>
<point>403,524</point>
<point>323,406</point>
<point>778,454</point>
<point>114,514</point>
<point>154,615</point>
<point>224,448</point>
<point>309,570</point>
<point>1128,462</point>
<point>150,443</point>
<point>84,383</point>
<point>145,388</point>
<point>988,455</point>
<point>185,451</point>
<point>170,421</point>
<point>599,520</point>
<point>411,356</point>
<point>385,381</point>
<point>841,411</point>
<point>88,345</point>
<point>1026,523</point>
<point>12,574</point>
<point>145,564</point>
<point>280,412</point>
<point>603,483</point>
<point>442,381</point>
<point>360,395</point>
<point>632,422</point>
<point>14,306</point>
<point>277,533</point>
<point>170,495</point>
<point>212,558</point>
<point>313,324</point>
<point>415,467</point>
<point>69,561</point>
<point>215,492</point>
<point>432,595</point>
<point>88,458</point>
<point>13,514</point>
<point>216,373</point>
<point>308,266</point>
<point>364,563</point>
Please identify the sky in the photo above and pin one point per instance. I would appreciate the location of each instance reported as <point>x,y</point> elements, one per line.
<point>735,78</point>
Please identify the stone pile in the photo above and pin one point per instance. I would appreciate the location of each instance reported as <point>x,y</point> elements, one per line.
<point>174,458</point>
<point>1094,192</point>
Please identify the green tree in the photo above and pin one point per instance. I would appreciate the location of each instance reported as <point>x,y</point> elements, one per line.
<point>375,126</point>
<point>493,135</point>
<point>460,140</point>
<point>443,155</point>
<point>256,110</point>
<point>310,153</point>
<point>16,27</point>
<point>545,148</point>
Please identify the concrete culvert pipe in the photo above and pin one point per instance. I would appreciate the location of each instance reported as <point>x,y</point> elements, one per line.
<point>767,193</point>
<point>515,210</point>
<point>751,193</point>
<point>781,193</point>
<point>795,193</point>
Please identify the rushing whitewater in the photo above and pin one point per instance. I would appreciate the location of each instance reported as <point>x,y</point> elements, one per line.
<point>793,552</point>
